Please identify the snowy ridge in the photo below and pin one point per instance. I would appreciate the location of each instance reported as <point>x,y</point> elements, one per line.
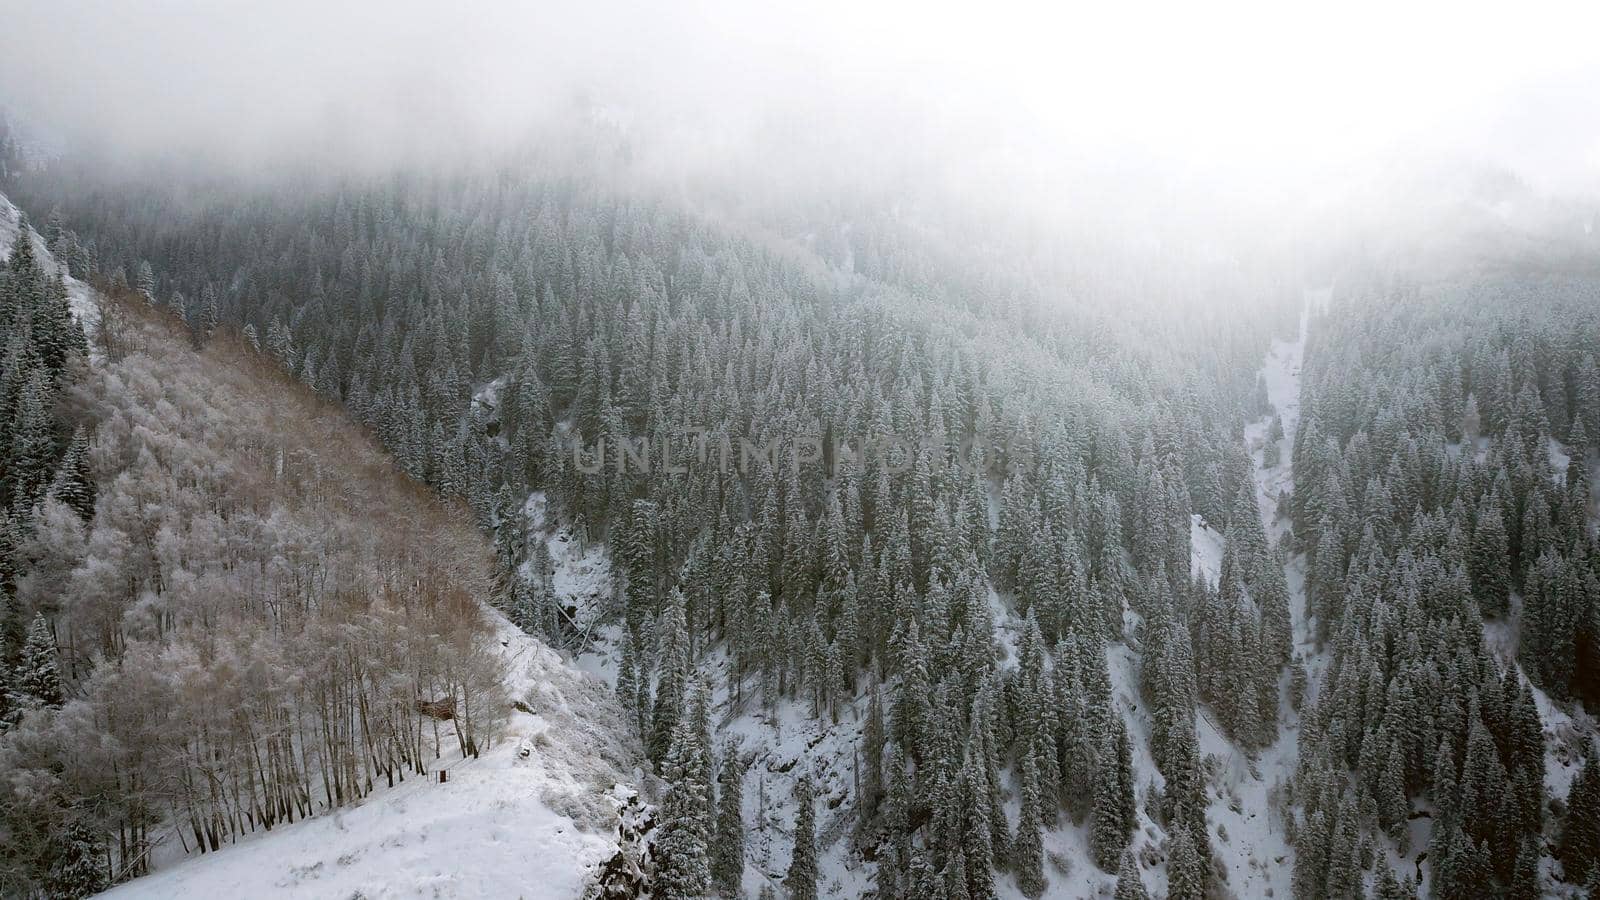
<point>83,299</point>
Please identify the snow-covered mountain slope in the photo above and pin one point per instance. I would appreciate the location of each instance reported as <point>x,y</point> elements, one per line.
<point>79,294</point>
<point>531,818</point>
<point>784,742</point>
<point>1566,730</point>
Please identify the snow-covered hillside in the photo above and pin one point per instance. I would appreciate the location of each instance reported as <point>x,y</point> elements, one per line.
<point>531,818</point>
<point>80,295</point>
<point>786,742</point>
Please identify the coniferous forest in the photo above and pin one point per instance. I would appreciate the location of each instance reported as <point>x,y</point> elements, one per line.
<point>709,537</point>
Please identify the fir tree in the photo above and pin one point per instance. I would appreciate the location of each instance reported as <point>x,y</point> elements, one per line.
<point>145,281</point>
<point>629,683</point>
<point>801,879</point>
<point>727,851</point>
<point>977,829</point>
<point>13,633</point>
<point>1579,849</point>
<point>1113,800</point>
<point>1028,851</point>
<point>672,657</point>
<point>31,456</point>
<point>1185,869</point>
<point>36,683</point>
<point>73,484</point>
<point>1525,874</point>
<point>1490,560</point>
<point>683,869</point>
<point>77,867</point>
<point>871,762</point>
<point>1129,885</point>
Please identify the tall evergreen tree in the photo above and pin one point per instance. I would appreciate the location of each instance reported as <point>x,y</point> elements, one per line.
<point>1028,852</point>
<point>77,867</point>
<point>1185,869</point>
<point>1490,560</point>
<point>1579,849</point>
<point>1525,873</point>
<point>36,683</point>
<point>672,656</point>
<point>1129,885</point>
<point>73,484</point>
<point>683,868</point>
<point>727,851</point>
<point>801,879</point>
<point>1114,810</point>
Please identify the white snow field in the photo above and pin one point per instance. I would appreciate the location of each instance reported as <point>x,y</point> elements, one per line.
<point>531,818</point>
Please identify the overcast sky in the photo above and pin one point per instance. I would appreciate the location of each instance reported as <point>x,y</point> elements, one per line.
<point>1278,90</point>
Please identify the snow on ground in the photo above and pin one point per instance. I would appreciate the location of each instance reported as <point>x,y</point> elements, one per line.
<point>782,743</point>
<point>1565,729</point>
<point>530,818</point>
<point>1245,812</point>
<point>488,396</point>
<point>582,581</point>
<point>1123,666</point>
<point>779,743</point>
<point>582,569</point>
<point>785,741</point>
<point>82,297</point>
<point>1501,635</point>
<point>1566,732</point>
<point>1282,375</point>
<point>1246,793</point>
<point>1205,550</point>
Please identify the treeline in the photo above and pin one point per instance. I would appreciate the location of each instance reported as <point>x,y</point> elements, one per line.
<point>1435,500</point>
<point>243,624</point>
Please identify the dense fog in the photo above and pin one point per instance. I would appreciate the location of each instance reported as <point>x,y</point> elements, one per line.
<point>1241,104</point>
